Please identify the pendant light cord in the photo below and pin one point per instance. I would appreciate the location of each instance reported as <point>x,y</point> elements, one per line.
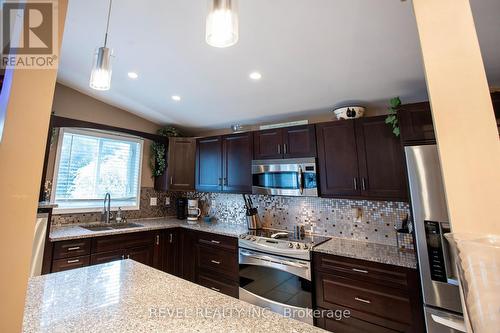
<point>107,24</point>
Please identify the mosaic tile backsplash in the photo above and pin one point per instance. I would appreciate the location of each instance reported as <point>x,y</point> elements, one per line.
<point>376,220</point>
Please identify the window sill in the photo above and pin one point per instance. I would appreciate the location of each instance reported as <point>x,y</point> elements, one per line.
<point>61,210</point>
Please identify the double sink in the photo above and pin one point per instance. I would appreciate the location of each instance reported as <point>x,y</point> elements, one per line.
<point>111,226</point>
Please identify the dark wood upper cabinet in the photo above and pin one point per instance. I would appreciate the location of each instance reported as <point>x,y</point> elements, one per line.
<point>237,152</point>
<point>181,163</point>
<point>209,164</point>
<point>415,123</point>
<point>288,142</point>
<point>223,163</point>
<point>338,159</point>
<point>381,160</point>
<point>360,159</point>
<point>268,144</point>
<point>299,141</point>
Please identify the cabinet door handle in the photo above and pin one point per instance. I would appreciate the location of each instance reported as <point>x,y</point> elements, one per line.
<point>123,256</point>
<point>215,262</point>
<point>284,148</point>
<point>170,238</point>
<point>225,181</point>
<point>279,149</point>
<point>157,239</point>
<point>363,184</point>
<point>362,300</point>
<point>128,256</point>
<point>220,181</point>
<point>171,180</point>
<point>74,248</point>
<point>215,242</point>
<point>73,261</point>
<point>213,288</point>
<point>355,180</point>
<point>360,271</point>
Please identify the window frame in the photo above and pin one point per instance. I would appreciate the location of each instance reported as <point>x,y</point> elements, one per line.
<point>99,134</point>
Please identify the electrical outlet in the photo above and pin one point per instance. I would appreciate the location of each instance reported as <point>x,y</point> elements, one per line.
<point>153,201</point>
<point>167,201</point>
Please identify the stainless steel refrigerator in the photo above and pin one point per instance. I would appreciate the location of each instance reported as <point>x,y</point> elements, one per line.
<point>442,306</point>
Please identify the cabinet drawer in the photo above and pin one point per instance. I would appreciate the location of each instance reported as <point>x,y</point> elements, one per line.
<point>218,241</point>
<point>380,301</point>
<point>123,241</point>
<point>361,270</point>
<point>69,263</point>
<point>350,325</point>
<point>220,261</point>
<point>230,288</point>
<point>101,258</point>
<point>71,248</point>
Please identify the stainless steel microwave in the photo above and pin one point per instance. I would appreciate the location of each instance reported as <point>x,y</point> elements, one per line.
<point>288,177</point>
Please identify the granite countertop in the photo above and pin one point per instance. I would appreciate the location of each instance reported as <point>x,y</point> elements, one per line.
<point>385,254</point>
<point>126,296</point>
<point>75,231</point>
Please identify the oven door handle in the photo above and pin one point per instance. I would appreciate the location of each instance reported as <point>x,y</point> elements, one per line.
<point>269,259</point>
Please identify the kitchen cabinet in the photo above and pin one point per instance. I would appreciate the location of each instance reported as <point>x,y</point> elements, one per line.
<point>170,251</point>
<point>223,163</point>
<point>379,297</point>
<point>217,265</point>
<point>288,142</point>
<point>237,152</point>
<point>417,128</point>
<point>209,164</point>
<point>360,159</point>
<point>179,174</point>
<point>187,254</point>
<point>338,159</point>
<point>143,247</point>
<point>381,160</point>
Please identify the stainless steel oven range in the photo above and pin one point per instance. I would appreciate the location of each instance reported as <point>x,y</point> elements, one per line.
<point>275,271</point>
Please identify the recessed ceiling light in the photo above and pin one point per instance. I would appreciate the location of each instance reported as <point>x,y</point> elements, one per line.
<point>133,75</point>
<point>176,98</point>
<point>255,76</point>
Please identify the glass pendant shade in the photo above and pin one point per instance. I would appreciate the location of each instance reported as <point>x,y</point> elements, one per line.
<point>100,77</point>
<point>222,23</point>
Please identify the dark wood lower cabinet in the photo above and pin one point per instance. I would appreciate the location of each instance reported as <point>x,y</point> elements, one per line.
<point>143,247</point>
<point>102,258</point>
<point>349,325</point>
<point>170,251</point>
<point>216,283</point>
<point>378,297</point>
<point>60,265</point>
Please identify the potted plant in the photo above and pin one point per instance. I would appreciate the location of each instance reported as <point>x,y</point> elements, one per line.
<point>158,159</point>
<point>392,118</point>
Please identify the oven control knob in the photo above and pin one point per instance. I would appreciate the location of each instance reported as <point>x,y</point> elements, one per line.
<point>297,246</point>
<point>249,237</point>
<point>254,239</point>
<point>290,245</point>
<point>305,247</point>
<point>242,236</point>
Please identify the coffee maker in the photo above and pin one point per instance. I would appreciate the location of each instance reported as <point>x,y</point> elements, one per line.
<point>193,211</point>
<point>180,207</point>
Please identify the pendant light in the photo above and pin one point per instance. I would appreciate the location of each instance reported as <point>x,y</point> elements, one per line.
<point>100,77</point>
<point>222,23</point>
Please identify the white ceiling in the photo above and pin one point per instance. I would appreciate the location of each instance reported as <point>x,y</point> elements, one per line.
<point>313,55</point>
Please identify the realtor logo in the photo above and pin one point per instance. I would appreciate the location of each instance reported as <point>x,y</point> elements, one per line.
<point>29,34</point>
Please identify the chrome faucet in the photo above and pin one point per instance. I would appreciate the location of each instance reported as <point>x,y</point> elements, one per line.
<point>106,213</point>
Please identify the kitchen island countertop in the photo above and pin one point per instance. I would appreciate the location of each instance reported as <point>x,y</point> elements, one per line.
<point>126,296</point>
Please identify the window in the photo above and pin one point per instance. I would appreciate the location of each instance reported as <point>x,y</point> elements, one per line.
<point>90,164</point>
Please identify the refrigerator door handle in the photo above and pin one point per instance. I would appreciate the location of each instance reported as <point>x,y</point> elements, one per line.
<point>451,323</point>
